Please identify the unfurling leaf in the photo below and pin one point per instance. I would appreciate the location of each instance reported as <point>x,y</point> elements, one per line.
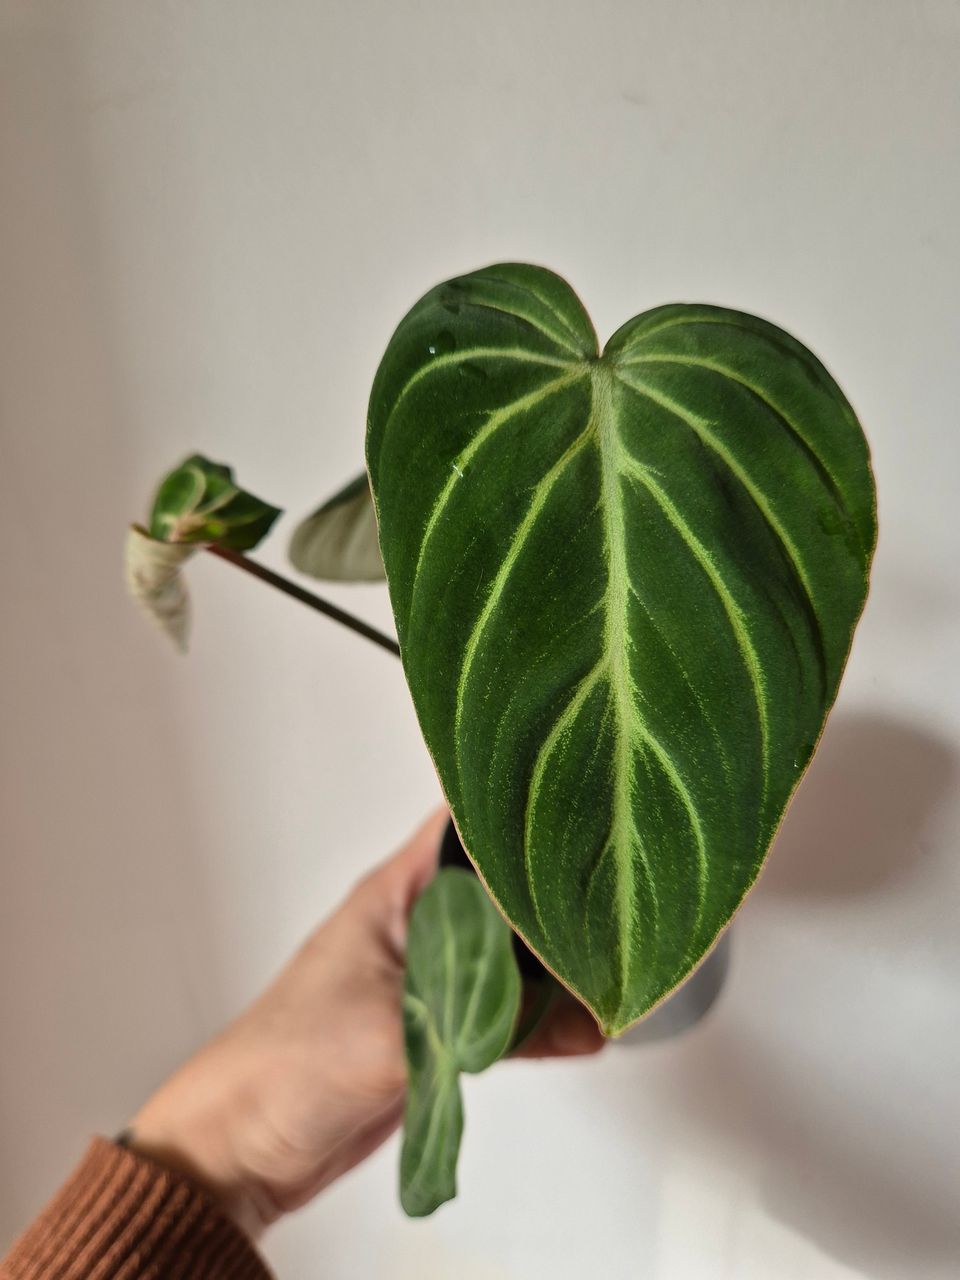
<point>625,585</point>
<point>338,542</point>
<point>196,504</point>
<point>199,502</point>
<point>156,583</point>
<point>460,1007</point>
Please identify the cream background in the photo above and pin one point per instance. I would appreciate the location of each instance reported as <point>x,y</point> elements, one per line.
<point>211,216</point>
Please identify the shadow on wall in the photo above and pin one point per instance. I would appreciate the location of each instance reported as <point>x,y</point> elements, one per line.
<point>847,1147</point>
<point>858,1202</point>
<point>857,822</point>
<point>107,930</point>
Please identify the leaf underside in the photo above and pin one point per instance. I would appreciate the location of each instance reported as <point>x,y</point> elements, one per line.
<point>338,542</point>
<point>625,587</point>
<point>461,1000</point>
<point>155,580</point>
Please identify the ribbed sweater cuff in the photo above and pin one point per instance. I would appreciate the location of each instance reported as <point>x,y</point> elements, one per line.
<point>120,1216</point>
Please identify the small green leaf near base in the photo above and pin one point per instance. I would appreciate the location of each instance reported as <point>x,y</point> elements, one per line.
<point>460,1008</point>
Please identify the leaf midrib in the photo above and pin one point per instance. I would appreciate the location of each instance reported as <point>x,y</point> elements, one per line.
<point>623,841</point>
<point>623,836</point>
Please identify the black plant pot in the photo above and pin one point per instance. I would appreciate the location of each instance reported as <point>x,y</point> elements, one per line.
<point>682,1009</point>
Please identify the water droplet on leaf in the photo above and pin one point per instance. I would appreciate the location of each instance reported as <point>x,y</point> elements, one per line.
<point>442,344</point>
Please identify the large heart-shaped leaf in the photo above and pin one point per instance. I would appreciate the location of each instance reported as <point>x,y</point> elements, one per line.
<point>625,587</point>
<point>460,1006</point>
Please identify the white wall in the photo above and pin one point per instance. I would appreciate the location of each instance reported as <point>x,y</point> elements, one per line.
<point>211,216</point>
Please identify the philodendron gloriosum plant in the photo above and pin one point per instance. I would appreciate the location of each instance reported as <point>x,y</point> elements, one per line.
<point>625,586</point>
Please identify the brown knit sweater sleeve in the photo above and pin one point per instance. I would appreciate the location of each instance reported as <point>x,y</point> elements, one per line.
<point>122,1217</point>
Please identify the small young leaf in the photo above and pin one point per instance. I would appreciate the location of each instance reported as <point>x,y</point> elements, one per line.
<point>338,542</point>
<point>460,1007</point>
<point>199,502</point>
<point>196,503</point>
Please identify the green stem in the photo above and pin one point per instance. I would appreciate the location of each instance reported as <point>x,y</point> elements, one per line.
<point>306,597</point>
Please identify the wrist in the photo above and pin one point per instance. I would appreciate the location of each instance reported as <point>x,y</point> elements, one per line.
<point>176,1129</point>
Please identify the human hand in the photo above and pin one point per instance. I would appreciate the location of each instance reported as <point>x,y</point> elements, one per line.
<point>311,1078</point>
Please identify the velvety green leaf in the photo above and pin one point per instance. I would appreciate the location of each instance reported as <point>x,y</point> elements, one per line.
<point>460,1007</point>
<point>625,586</point>
<point>338,542</point>
<point>198,502</point>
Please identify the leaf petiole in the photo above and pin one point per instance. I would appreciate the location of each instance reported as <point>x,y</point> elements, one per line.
<point>305,597</point>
